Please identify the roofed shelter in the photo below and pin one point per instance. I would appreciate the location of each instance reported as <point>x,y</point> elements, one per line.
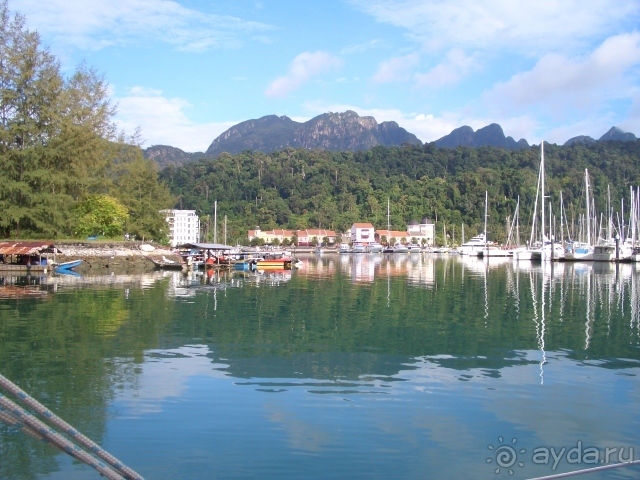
<point>25,256</point>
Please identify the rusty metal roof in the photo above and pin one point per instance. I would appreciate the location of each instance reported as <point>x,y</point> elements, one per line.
<point>23,248</point>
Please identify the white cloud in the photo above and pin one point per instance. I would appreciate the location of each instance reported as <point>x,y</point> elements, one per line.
<point>558,85</point>
<point>529,27</point>
<point>456,66</point>
<point>396,69</point>
<point>361,47</point>
<point>163,120</point>
<point>302,69</point>
<point>95,24</point>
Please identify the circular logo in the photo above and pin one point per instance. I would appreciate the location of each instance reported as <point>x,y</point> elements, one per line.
<point>505,456</point>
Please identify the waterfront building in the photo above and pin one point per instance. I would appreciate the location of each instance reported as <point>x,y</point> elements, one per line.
<point>184,226</point>
<point>362,233</point>
<point>306,237</point>
<point>270,236</point>
<point>425,230</point>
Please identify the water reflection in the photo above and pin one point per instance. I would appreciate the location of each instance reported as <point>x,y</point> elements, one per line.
<point>409,359</point>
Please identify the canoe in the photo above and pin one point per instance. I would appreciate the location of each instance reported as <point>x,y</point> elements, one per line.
<point>67,265</point>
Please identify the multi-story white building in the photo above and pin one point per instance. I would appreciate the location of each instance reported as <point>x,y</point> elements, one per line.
<point>184,226</point>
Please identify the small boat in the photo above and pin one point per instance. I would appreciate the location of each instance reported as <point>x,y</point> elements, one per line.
<point>344,248</point>
<point>283,263</point>
<point>245,266</point>
<point>167,264</point>
<point>67,265</point>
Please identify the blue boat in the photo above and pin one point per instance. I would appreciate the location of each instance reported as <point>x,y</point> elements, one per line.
<point>66,266</point>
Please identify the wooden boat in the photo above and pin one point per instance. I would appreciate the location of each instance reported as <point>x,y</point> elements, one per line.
<point>166,264</point>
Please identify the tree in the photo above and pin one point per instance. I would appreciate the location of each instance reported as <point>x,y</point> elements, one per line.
<point>100,214</point>
<point>137,187</point>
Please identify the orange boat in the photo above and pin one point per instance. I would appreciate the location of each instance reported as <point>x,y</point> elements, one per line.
<point>283,263</point>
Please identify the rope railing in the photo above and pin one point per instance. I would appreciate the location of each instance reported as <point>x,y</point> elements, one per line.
<point>13,414</point>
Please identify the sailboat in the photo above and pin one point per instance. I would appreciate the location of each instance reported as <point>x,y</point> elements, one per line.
<point>582,251</point>
<point>490,249</point>
<point>548,249</point>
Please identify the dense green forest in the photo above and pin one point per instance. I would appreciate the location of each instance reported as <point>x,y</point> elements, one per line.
<point>310,189</point>
<point>66,171</point>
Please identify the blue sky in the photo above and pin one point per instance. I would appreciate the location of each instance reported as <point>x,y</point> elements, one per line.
<point>186,70</point>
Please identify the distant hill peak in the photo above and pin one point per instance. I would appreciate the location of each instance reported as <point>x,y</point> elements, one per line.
<point>614,133</point>
<point>490,135</point>
<point>328,131</point>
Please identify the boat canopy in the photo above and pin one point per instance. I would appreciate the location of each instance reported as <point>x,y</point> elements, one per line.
<point>206,246</point>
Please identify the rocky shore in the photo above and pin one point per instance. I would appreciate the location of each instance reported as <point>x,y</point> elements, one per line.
<point>110,257</point>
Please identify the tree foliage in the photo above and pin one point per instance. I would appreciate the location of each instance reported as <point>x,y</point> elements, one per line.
<point>100,214</point>
<point>320,189</point>
<point>59,145</point>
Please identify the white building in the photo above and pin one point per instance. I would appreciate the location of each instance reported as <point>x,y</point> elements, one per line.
<point>362,232</point>
<point>184,226</point>
<point>425,230</point>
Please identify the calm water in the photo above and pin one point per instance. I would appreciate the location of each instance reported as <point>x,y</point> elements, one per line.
<point>350,367</point>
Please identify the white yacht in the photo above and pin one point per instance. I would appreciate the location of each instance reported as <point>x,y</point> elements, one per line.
<point>358,248</point>
<point>375,247</point>
<point>344,248</point>
<point>400,248</point>
<point>473,246</point>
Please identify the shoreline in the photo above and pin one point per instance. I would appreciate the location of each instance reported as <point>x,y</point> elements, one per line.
<point>110,257</point>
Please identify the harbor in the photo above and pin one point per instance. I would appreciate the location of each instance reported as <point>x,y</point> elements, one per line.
<point>224,359</point>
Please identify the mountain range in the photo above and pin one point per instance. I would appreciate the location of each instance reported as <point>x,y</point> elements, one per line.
<point>329,131</point>
<point>614,133</point>
<point>489,135</point>
<point>344,131</point>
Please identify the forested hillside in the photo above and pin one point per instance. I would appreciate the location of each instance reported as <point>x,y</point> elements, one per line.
<point>308,189</point>
<point>65,170</point>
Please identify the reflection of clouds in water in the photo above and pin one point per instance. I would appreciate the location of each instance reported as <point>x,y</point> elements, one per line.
<point>556,414</point>
<point>165,374</point>
<point>301,434</point>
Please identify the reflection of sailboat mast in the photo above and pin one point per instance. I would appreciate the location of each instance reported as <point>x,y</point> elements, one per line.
<point>542,329</point>
<point>587,325</point>
<point>388,285</point>
<point>539,336</point>
<point>486,297</point>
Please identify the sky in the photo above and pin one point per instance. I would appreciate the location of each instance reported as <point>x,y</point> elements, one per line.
<point>184,71</point>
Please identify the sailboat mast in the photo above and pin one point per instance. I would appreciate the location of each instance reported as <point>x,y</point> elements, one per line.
<point>586,181</point>
<point>561,220</point>
<point>486,201</point>
<point>388,221</point>
<point>542,189</point>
